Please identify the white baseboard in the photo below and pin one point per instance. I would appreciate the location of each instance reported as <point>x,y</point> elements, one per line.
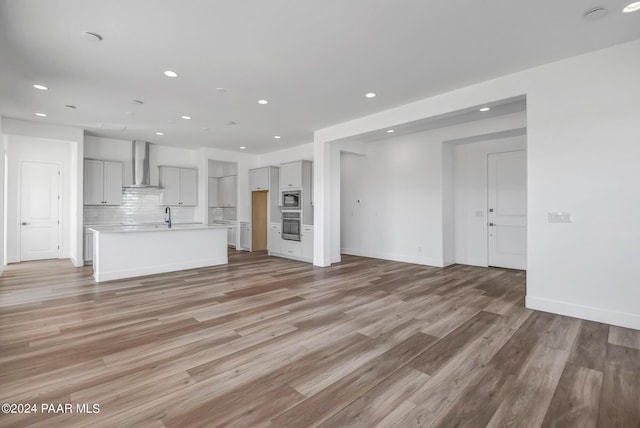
<point>320,262</point>
<point>1,269</point>
<point>394,257</point>
<point>150,270</point>
<point>590,313</point>
<point>76,262</point>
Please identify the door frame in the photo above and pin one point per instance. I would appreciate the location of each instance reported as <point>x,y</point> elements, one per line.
<point>19,232</point>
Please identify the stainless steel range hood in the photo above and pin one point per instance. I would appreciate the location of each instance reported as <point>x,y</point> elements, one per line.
<point>140,154</point>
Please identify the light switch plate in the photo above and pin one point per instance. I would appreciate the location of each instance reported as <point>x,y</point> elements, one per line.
<point>560,217</point>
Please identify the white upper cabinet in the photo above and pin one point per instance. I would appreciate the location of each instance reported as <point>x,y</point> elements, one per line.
<point>214,200</point>
<point>180,186</point>
<point>170,180</point>
<point>102,182</point>
<point>188,186</point>
<point>291,175</point>
<point>259,179</point>
<point>227,191</point>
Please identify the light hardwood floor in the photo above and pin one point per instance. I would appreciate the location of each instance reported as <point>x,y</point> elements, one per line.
<point>267,341</point>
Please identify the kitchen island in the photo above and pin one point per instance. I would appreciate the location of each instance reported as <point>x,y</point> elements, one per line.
<point>130,251</point>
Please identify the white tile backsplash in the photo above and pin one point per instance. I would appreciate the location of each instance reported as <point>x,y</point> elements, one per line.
<point>221,213</point>
<point>139,205</point>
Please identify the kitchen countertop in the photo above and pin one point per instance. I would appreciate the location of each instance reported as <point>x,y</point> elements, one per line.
<point>156,227</point>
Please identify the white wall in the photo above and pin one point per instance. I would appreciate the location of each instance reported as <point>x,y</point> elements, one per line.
<point>2,184</point>
<point>36,141</point>
<point>448,205</point>
<point>301,152</point>
<point>406,193</point>
<point>470,195</point>
<point>583,151</point>
<point>222,169</point>
<point>120,150</point>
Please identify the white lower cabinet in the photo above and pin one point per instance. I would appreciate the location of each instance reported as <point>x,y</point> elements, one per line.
<point>231,237</point>
<point>88,247</point>
<point>245,235</point>
<point>291,248</point>
<point>299,250</point>
<point>275,240</point>
<point>307,242</point>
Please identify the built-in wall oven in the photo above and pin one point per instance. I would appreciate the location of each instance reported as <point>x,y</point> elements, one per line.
<point>292,200</point>
<point>291,226</point>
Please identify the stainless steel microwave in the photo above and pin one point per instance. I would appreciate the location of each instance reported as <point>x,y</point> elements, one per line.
<point>292,200</point>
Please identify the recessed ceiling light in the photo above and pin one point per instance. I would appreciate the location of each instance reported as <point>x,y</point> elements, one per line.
<point>263,102</point>
<point>221,89</point>
<point>71,106</point>
<point>370,95</point>
<point>485,109</point>
<point>277,137</point>
<point>631,7</point>
<point>595,13</point>
<point>159,133</point>
<point>92,36</point>
<point>390,131</point>
<point>186,117</point>
<point>41,114</point>
<point>41,87</point>
<point>170,73</point>
<point>242,147</point>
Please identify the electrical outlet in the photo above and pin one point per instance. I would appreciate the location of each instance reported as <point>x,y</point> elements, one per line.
<point>560,217</point>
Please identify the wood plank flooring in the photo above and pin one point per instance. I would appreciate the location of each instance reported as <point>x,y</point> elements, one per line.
<point>270,342</point>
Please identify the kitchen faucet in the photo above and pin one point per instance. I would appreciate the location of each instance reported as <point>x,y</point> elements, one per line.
<point>168,220</point>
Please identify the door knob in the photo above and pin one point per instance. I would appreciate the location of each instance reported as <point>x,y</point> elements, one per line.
<point>492,224</point>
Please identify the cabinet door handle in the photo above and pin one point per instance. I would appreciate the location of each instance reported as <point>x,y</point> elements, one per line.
<point>24,223</point>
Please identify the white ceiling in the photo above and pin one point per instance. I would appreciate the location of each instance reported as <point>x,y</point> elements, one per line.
<point>312,60</point>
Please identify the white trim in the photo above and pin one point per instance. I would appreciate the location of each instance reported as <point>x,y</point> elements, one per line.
<point>394,257</point>
<point>590,313</point>
<point>320,262</point>
<point>76,262</point>
<point>163,268</point>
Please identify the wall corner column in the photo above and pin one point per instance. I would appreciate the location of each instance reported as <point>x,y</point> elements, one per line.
<point>322,203</point>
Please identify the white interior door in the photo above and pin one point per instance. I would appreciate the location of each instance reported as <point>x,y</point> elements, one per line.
<point>507,192</point>
<point>39,211</point>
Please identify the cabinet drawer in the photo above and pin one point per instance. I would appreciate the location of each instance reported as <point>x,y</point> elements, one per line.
<point>292,248</point>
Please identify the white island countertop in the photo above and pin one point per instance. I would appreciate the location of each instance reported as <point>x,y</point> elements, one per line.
<point>156,227</point>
